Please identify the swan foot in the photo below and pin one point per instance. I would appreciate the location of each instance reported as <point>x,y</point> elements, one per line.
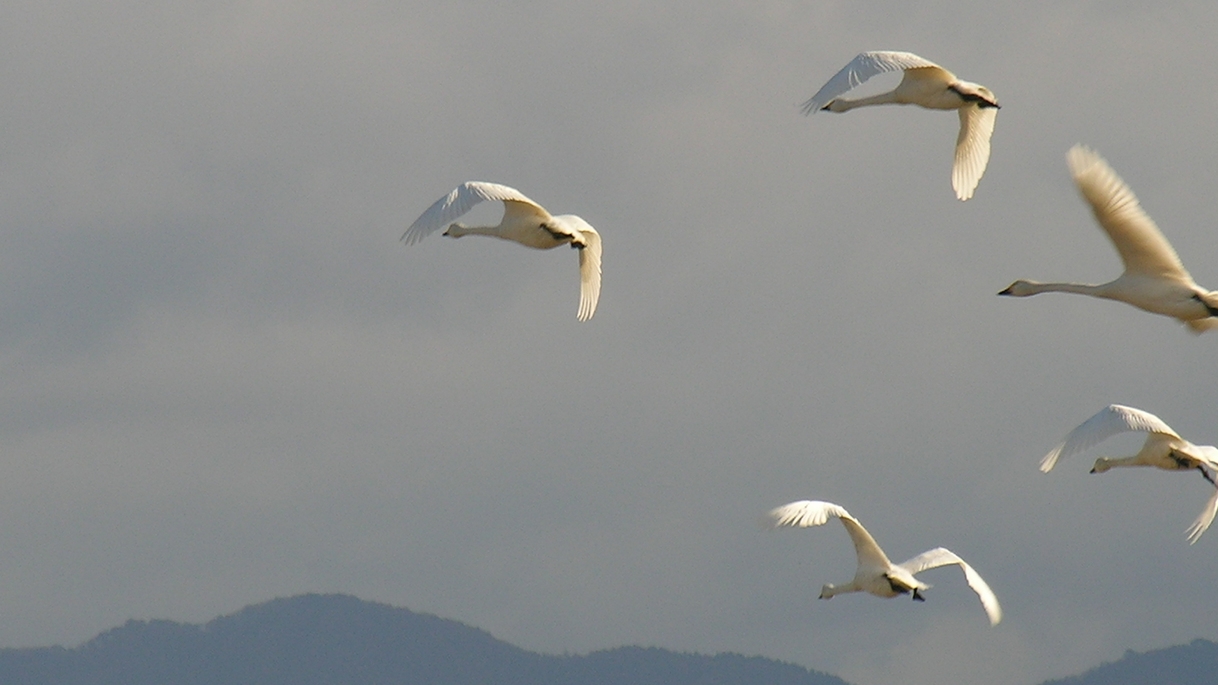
<point>1207,475</point>
<point>557,235</point>
<point>1208,307</point>
<point>917,596</point>
<point>1181,462</point>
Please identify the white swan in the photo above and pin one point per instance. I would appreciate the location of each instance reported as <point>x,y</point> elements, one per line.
<point>929,85</point>
<point>1154,279</point>
<point>1163,449</point>
<point>525,222</point>
<point>876,574</point>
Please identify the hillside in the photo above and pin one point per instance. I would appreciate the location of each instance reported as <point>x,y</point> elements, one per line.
<point>342,640</point>
<point>1193,664</point>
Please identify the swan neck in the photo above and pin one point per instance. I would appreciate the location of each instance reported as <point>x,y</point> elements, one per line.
<point>1076,288</point>
<point>829,589</point>
<point>1102,464</point>
<point>844,105</point>
<point>458,230</point>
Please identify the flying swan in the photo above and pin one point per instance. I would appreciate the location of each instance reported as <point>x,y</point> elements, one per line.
<point>1163,449</point>
<point>929,85</point>
<point>1154,278</point>
<point>525,222</point>
<point>876,574</point>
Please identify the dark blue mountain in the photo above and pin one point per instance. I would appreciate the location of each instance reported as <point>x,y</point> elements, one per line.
<point>1193,664</point>
<point>342,640</point>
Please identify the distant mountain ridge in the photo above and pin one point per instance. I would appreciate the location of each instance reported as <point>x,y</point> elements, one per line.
<point>1193,664</point>
<point>342,640</point>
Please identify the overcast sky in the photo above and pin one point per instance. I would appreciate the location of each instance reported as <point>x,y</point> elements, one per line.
<point>225,380</point>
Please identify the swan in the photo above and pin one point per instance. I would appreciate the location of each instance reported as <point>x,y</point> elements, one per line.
<point>876,574</point>
<point>929,85</point>
<point>524,222</point>
<point>1163,449</point>
<point>1154,278</point>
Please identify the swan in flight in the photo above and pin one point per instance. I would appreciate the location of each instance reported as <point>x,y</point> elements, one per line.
<point>1163,449</point>
<point>1154,278</point>
<point>876,574</point>
<point>929,85</point>
<point>525,222</point>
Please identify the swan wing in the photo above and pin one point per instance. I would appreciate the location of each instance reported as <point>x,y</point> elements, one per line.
<point>806,513</point>
<point>462,199</point>
<point>861,68</point>
<point>1206,454</point>
<point>809,513</point>
<point>1139,241</point>
<point>589,273</point>
<point>1113,419</point>
<point>1199,326</point>
<point>972,148</point>
<point>1204,519</point>
<point>941,556</point>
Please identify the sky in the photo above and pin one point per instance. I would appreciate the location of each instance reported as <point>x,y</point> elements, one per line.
<point>224,379</point>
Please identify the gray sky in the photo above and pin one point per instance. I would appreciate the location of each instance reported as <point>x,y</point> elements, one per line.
<point>224,380</point>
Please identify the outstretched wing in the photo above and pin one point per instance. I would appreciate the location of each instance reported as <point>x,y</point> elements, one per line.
<point>589,272</point>
<point>972,148</point>
<point>1206,454</point>
<point>941,556</point>
<point>861,68</point>
<point>806,513</point>
<point>462,199</point>
<point>1139,241</point>
<point>1113,419</point>
<point>1204,519</point>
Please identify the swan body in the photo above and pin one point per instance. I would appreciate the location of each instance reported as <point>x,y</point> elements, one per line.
<point>929,85</point>
<point>876,574</point>
<point>524,222</point>
<point>1163,449</point>
<point>1154,279</point>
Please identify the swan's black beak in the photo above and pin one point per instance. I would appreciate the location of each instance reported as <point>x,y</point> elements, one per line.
<point>1092,470</point>
<point>1007,291</point>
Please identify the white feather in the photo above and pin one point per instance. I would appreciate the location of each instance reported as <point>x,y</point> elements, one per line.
<point>524,222</point>
<point>1163,449</point>
<point>876,574</point>
<point>928,85</point>
<point>1154,278</point>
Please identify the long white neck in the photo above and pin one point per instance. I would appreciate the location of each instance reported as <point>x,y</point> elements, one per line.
<point>829,589</point>
<point>1034,288</point>
<point>844,105</point>
<point>1104,463</point>
<point>458,230</point>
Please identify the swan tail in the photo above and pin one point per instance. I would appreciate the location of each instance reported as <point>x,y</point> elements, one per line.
<point>1199,326</point>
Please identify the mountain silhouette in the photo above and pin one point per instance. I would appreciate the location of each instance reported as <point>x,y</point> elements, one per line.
<point>342,640</point>
<point>1193,664</point>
